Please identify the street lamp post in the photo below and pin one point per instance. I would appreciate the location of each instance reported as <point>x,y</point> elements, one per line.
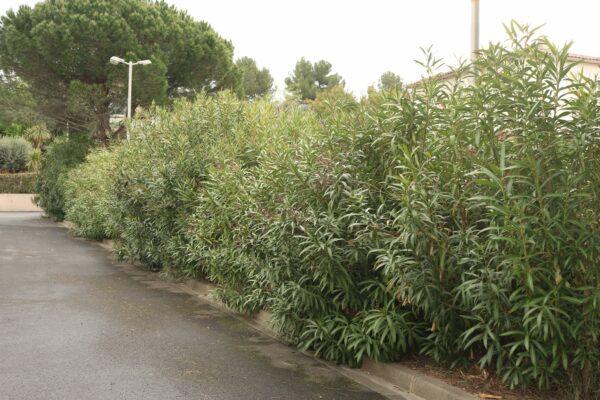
<point>115,61</point>
<point>474,29</point>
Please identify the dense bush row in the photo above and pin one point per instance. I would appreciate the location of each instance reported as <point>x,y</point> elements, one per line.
<point>459,221</point>
<point>15,154</point>
<point>63,155</point>
<point>17,183</point>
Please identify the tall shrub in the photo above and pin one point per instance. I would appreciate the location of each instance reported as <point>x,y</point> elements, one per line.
<point>162,169</point>
<point>486,228</point>
<point>61,156</point>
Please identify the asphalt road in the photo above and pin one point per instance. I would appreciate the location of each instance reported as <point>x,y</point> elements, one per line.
<point>73,325</point>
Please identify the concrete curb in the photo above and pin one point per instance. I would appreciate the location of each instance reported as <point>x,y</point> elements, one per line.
<point>415,382</point>
<point>387,378</point>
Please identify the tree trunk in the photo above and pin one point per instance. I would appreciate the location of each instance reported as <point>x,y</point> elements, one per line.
<point>103,130</point>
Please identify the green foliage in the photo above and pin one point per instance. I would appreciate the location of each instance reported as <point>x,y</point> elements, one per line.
<point>17,106</point>
<point>15,154</point>
<point>389,81</point>
<point>35,161</point>
<point>308,79</point>
<point>455,219</point>
<point>17,183</point>
<point>333,99</point>
<point>37,135</point>
<point>60,157</point>
<point>155,199</point>
<point>256,82</point>
<point>12,130</point>
<point>186,55</point>
<point>89,200</point>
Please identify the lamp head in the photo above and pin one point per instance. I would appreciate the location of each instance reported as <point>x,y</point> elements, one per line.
<point>116,60</point>
<point>145,62</point>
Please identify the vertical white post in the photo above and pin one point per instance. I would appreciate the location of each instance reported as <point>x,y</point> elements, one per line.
<point>129,94</point>
<point>474,28</point>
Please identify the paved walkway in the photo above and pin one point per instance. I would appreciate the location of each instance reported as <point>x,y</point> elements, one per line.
<point>73,326</point>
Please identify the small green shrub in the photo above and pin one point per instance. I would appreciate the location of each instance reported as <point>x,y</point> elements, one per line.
<point>35,161</point>
<point>15,154</point>
<point>61,156</point>
<point>17,183</point>
<point>12,130</point>
<point>38,135</point>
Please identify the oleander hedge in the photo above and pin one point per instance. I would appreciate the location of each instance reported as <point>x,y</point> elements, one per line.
<point>17,182</point>
<point>453,219</point>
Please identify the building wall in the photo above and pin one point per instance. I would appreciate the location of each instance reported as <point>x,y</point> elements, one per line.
<point>589,69</point>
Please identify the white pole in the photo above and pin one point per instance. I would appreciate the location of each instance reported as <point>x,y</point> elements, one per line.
<point>130,63</point>
<point>474,28</point>
<point>129,90</point>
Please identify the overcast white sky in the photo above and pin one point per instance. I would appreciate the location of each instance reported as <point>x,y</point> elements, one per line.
<point>362,39</point>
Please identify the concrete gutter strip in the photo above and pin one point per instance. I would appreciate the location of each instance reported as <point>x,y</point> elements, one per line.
<point>12,202</point>
<point>415,382</point>
<point>383,375</point>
